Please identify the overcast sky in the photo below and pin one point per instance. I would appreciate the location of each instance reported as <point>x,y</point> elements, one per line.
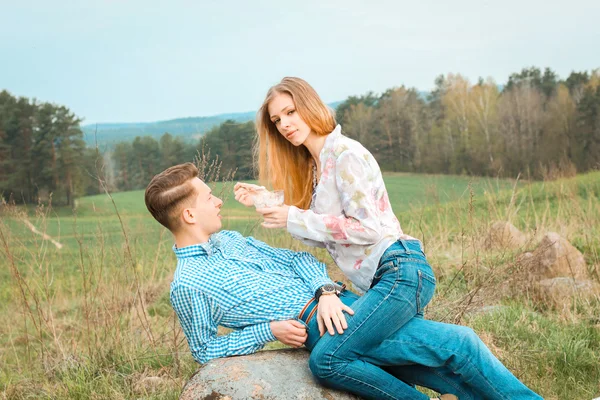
<point>133,60</point>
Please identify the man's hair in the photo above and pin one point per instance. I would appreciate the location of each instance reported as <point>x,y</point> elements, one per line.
<point>170,191</point>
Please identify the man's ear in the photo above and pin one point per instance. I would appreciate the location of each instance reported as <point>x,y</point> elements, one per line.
<point>188,215</point>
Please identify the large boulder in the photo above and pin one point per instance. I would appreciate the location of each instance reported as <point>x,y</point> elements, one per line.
<point>504,236</point>
<point>561,291</point>
<point>555,257</point>
<point>276,374</point>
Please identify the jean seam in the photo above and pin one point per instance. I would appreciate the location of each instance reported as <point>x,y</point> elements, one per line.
<point>357,328</point>
<point>428,277</point>
<point>418,297</point>
<point>354,331</point>
<point>419,287</point>
<point>398,260</point>
<point>449,382</point>
<point>462,355</point>
<point>367,384</point>
<point>365,320</point>
<point>412,260</point>
<point>387,271</point>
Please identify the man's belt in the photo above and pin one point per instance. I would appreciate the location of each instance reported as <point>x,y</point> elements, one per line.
<point>308,311</point>
<point>310,308</point>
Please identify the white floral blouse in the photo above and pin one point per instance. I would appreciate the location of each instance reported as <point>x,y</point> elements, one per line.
<point>350,214</point>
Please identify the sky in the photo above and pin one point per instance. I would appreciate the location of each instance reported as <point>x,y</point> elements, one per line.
<point>143,61</point>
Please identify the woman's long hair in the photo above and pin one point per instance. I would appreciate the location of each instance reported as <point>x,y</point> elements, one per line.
<point>280,164</point>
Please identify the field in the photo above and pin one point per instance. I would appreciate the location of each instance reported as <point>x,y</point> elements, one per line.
<point>93,320</point>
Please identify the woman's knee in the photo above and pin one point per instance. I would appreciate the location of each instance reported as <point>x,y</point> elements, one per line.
<point>318,363</point>
<point>469,339</point>
<point>326,361</point>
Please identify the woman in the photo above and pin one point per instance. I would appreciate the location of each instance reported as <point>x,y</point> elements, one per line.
<point>336,198</point>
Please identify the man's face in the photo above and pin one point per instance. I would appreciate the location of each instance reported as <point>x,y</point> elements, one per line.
<point>205,212</point>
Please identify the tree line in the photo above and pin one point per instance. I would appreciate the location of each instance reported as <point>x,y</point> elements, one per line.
<point>43,156</point>
<point>42,153</point>
<point>132,165</point>
<point>536,124</point>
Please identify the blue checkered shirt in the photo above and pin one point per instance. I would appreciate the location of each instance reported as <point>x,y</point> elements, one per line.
<point>243,284</point>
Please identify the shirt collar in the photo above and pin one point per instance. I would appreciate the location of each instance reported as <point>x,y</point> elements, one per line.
<point>330,143</point>
<point>199,249</point>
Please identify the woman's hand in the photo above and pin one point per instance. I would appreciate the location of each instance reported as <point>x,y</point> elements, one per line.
<point>245,192</point>
<point>275,217</point>
<point>331,313</point>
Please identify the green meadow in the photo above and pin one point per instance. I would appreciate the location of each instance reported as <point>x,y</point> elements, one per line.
<point>92,319</point>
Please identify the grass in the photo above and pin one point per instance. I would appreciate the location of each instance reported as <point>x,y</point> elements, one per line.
<point>93,319</point>
<point>559,357</point>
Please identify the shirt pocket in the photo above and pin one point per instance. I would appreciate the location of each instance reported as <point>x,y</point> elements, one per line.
<point>271,268</point>
<point>242,289</point>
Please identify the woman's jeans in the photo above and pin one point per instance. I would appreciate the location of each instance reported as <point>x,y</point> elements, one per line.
<point>387,336</point>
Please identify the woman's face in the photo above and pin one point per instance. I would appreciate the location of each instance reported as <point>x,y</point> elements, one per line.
<point>283,114</point>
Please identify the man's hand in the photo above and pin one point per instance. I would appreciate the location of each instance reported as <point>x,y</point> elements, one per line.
<point>275,217</point>
<point>330,313</point>
<point>290,332</point>
<point>245,192</point>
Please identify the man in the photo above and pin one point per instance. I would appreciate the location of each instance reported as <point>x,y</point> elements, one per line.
<point>264,294</point>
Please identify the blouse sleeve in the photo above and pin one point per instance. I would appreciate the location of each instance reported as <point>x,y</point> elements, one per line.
<point>359,185</point>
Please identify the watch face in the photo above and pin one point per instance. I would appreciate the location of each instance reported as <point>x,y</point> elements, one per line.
<point>328,288</point>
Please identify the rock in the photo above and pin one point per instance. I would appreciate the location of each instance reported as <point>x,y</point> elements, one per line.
<point>561,291</point>
<point>275,374</point>
<point>504,235</point>
<point>526,258</point>
<point>555,257</point>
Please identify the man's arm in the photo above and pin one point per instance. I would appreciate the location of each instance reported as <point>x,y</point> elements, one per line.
<point>313,272</point>
<point>331,310</point>
<point>199,316</point>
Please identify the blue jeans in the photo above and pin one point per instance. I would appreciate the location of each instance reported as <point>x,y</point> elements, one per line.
<point>402,286</point>
<point>388,346</point>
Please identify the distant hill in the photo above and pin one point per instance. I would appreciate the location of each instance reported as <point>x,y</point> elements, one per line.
<point>190,129</point>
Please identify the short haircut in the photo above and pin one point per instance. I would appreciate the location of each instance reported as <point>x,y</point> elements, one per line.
<point>169,192</point>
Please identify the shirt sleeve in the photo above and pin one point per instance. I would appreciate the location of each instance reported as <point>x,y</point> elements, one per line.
<point>360,187</point>
<point>309,242</point>
<point>199,316</point>
<point>310,270</point>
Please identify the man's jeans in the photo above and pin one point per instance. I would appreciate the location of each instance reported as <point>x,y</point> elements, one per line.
<point>387,336</point>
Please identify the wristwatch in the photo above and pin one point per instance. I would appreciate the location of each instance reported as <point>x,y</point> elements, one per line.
<point>326,289</point>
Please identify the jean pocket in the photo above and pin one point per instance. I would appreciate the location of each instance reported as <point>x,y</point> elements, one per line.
<point>386,268</point>
<point>425,290</point>
<point>384,271</point>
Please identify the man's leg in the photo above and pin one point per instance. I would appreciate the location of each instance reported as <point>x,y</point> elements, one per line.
<point>456,348</point>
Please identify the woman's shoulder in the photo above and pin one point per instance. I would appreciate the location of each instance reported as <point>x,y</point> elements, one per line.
<point>348,147</point>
